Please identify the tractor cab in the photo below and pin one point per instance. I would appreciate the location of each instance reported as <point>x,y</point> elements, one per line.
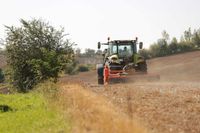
<point>122,48</point>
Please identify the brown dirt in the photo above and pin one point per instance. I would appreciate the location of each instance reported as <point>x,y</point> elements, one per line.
<point>169,105</point>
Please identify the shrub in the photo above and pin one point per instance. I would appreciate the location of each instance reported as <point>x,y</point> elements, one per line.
<point>2,77</point>
<point>145,53</point>
<point>36,52</point>
<point>71,68</point>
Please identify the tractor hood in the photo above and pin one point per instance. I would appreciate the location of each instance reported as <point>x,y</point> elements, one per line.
<point>114,58</point>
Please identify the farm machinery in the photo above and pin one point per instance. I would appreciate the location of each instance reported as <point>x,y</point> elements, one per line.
<point>120,60</point>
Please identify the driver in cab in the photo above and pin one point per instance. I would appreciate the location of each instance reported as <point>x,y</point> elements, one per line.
<point>125,52</point>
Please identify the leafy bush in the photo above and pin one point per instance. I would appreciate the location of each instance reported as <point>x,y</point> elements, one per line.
<point>184,47</point>
<point>71,68</point>
<point>36,52</point>
<point>145,53</point>
<point>2,77</point>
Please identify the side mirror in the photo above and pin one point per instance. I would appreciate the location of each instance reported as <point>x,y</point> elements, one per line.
<point>99,45</point>
<point>141,45</point>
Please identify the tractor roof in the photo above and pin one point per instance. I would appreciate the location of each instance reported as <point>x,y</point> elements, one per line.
<point>123,41</point>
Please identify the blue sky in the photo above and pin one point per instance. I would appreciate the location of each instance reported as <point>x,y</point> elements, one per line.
<point>90,21</point>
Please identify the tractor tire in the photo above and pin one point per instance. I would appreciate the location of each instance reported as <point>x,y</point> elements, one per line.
<point>100,76</point>
<point>142,67</point>
<point>100,80</point>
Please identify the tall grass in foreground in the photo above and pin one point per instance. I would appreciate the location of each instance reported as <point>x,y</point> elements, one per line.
<point>51,106</point>
<point>29,113</point>
<point>92,113</point>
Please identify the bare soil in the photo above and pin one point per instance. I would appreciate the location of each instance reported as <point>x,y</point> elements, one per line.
<point>171,104</point>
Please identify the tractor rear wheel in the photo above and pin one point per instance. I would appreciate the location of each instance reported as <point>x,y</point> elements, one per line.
<point>100,77</point>
<point>142,67</point>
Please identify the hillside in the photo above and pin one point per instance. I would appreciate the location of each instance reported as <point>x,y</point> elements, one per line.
<point>181,67</point>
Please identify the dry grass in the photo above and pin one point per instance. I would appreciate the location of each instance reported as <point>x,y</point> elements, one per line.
<point>92,113</point>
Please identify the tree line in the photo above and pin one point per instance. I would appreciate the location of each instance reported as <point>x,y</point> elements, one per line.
<point>189,41</point>
<point>164,46</point>
<point>88,53</point>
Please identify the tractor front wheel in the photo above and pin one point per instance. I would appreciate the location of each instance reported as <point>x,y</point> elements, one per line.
<point>100,70</point>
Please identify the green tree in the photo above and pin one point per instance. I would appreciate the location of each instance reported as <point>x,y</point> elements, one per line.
<point>145,53</point>
<point>188,35</point>
<point>173,46</point>
<point>165,36</point>
<point>185,47</point>
<point>36,51</point>
<point>155,50</point>
<point>163,47</point>
<point>1,76</point>
<point>196,38</point>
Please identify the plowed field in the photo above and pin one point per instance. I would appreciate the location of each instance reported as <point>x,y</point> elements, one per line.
<point>171,104</point>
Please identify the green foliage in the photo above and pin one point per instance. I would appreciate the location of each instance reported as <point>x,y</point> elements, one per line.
<point>71,68</point>
<point>162,43</point>
<point>74,68</point>
<point>154,50</point>
<point>1,76</point>
<point>49,90</point>
<point>173,46</point>
<point>188,35</point>
<point>196,38</point>
<point>36,52</point>
<point>29,113</point>
<point>189,41</point>
<point>145,53</point>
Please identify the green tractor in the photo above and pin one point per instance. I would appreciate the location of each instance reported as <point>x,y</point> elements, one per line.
<point>120,59</point>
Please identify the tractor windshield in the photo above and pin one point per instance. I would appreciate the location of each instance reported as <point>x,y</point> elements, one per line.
<point>123,50</point>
